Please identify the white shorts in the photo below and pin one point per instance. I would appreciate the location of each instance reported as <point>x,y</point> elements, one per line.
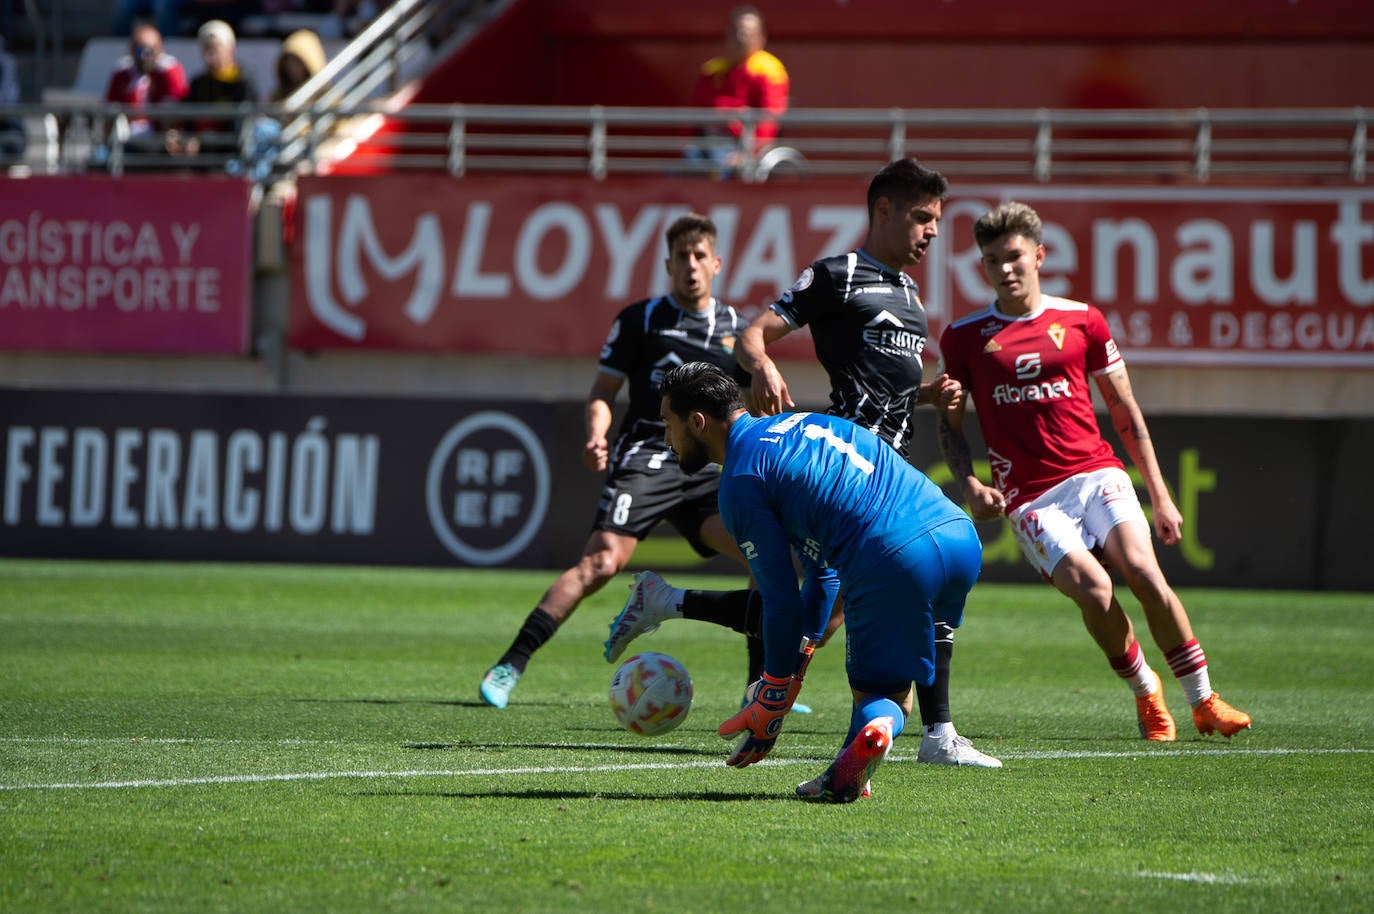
<point>1076,514</point>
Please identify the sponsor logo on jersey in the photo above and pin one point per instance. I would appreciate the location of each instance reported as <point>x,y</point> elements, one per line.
<point>874,290</point>
<point>884,317</point>
<point>662,367</point>
<point>991,328</point>
<point>885,331</point>
<point>903,342</point>
<point>992,346</point>
<point>1057,389</point>
<point>1028,366</point>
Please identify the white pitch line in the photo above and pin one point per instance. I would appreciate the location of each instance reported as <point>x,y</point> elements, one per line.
<point>330,775</point>
<point>641,766</point>
<point>1204,878</point>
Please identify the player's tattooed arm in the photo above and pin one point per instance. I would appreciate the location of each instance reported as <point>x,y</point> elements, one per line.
<point>984,502</point>
<point>1129,422</point>
<point>1127,418</point>
<point>954,447</point>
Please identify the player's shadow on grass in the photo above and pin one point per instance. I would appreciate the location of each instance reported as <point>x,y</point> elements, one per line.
<point>443,702</point>
<point>643,749</point>
<point>705,796</point>
<point>439,702</point>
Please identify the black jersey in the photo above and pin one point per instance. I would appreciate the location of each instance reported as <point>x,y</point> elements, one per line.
<point>651,337</point>
<point>869,328</point>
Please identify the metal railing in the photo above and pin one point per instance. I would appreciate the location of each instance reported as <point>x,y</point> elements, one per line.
<point>1043,145</point>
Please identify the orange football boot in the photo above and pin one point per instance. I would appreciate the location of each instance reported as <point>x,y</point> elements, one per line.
<point>1213,714</point>
<point>1156,723</point>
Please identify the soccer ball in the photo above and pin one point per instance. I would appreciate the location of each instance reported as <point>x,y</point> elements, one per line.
<point>651,693</point>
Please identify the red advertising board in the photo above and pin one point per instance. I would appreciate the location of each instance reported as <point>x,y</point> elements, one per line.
<point>139,264</point>
<point>540,265</point>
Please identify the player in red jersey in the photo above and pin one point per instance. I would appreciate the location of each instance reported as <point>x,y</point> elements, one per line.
<point>1026,360</point>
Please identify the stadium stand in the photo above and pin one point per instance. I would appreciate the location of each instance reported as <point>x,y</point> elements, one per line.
<point>256,55</point>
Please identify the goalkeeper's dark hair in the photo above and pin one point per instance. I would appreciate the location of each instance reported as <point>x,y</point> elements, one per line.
<point>905,182</point>
<point>704,388</point>
<point>1011,218</point>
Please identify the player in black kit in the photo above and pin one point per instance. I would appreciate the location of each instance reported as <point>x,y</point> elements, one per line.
<point>869,328</point>
<point>644,484</point>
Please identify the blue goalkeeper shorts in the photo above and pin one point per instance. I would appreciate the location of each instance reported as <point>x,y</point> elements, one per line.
<point>890,608</point>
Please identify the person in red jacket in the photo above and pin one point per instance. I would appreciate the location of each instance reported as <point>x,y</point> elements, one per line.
<point>146,76</point>
<point>746,76</point>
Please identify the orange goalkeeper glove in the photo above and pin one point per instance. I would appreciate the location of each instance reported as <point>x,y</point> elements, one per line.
<point>760,721</point>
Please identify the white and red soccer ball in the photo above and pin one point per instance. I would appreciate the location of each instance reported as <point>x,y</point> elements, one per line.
<point>651,693</point>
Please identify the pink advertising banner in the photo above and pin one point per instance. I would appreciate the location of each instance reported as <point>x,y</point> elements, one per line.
<point>540,265</point>
<point>140,264</point>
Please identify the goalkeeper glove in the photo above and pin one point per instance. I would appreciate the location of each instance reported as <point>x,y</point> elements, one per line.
<point>760,721</point>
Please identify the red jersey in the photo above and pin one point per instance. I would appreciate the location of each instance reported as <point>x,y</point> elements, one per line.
<point>761,81</point>
<point>1029,380</point>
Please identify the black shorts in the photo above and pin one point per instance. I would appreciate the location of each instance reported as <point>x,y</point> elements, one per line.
<point>646,485</point>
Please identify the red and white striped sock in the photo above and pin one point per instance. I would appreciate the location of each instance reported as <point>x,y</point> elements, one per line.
<point>1189,665</point>
<point>1131,666</point>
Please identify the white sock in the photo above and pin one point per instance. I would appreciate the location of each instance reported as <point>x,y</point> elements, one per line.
<point>1197,686</point>
<point>1143,682</point>
<point>941,732</point>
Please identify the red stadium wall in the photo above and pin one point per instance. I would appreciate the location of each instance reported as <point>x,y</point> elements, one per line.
<point>954,54</point>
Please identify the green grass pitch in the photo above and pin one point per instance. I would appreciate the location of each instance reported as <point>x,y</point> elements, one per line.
<point>283,738</point>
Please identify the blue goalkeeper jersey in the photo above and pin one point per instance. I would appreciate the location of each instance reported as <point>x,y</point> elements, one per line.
<point>838,494</point>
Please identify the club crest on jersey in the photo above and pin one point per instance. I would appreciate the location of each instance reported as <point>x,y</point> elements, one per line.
<point>727,343</point>
<point>1056,333</point>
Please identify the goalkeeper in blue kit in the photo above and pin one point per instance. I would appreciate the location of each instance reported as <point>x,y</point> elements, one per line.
<point>858,516</point>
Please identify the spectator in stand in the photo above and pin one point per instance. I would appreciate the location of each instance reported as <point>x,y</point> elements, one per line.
<point>302,56</point>
<point>222,83</point>
<point>146,76</point>
<point>13,139</point>
<point>746,76</point>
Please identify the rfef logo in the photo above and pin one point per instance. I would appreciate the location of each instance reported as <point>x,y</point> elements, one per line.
<point>487,489</point>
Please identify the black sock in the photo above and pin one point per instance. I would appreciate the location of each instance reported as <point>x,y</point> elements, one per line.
<point>539,627</point>
<point>934,698</point>
<point>729,608</point>
<point>755,657</point>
